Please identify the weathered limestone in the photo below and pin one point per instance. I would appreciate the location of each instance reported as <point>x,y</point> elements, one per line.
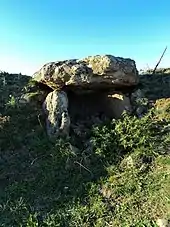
<point>97,83</point>
<point>139,102</point>
<point>56,108</point>
<point>162,222</point>
<point>118,103</point>
<point>89,73</point>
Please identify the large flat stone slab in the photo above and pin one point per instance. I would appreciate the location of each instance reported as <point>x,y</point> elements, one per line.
<point>93,72</point>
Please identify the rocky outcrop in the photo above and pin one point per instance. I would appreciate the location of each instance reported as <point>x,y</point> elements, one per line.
<point>157,71</point>
<point>95,72</point>
<point>93,86</point>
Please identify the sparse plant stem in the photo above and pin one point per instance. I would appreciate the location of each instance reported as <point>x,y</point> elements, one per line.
<point>159,60</point>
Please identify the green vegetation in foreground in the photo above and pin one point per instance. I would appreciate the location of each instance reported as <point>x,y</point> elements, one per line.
<point>123,180</point>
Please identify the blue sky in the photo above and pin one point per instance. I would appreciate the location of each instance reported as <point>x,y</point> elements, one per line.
<point>34,32</point>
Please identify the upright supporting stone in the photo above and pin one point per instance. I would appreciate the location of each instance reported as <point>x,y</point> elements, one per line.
<point>118,103</point>
<point>56,109</point>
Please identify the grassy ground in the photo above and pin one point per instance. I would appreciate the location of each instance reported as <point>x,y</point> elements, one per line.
<point>122,179</point>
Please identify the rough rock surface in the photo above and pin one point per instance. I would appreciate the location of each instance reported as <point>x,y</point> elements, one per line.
<point>118,103</point>
<point>139,102</point>
<point>94,72</point>
<point>162,223</point>
<point>56,108</point>
<point>94,87</point>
